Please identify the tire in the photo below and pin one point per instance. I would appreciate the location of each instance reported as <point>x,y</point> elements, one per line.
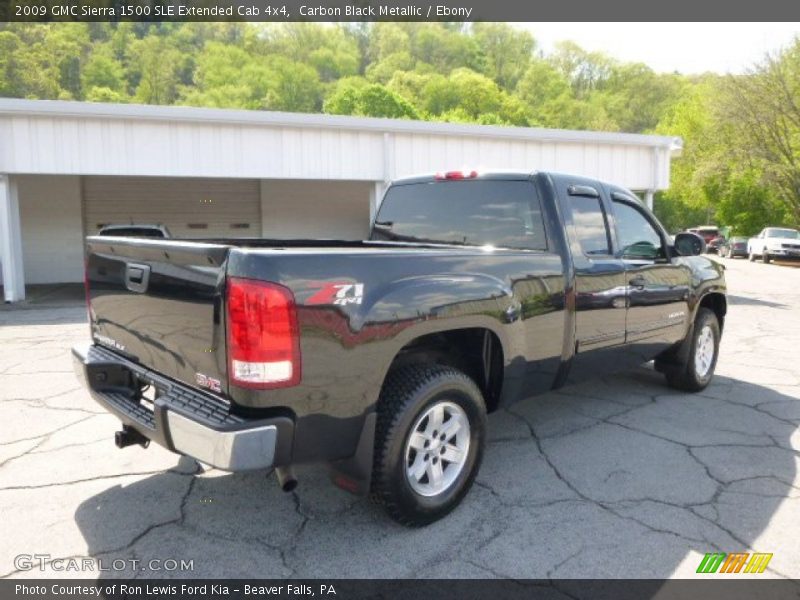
<point>750,256</point>
<point>694,375</point>
<point>765,258</point>
<point>411,397</point>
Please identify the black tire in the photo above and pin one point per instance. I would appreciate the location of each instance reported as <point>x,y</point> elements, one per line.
<point>408,393</point>
<point>750,256</point>
<point>765,258</point>
<point>685,376</point>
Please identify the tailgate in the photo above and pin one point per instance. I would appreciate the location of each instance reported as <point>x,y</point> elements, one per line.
<point>159,302</point>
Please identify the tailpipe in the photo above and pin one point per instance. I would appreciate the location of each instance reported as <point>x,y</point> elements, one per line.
<point>128,437</point>
<point>286,479</point>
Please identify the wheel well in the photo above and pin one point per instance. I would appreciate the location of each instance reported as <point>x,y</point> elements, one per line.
<point>476,352</point>
<point>718,304</point>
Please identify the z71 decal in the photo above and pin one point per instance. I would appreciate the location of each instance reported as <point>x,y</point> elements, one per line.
<point>338,294</point>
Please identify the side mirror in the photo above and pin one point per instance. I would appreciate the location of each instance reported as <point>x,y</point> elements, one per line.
<point>689,244</point>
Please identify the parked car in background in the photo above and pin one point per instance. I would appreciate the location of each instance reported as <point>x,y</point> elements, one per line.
<point>736,246</point>
<point>774,242</point>
<point>135,230</point>
<point>713,247</point>
<point>707,232</point>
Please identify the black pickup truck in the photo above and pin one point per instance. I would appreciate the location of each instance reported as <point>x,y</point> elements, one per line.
<point>382,357</point>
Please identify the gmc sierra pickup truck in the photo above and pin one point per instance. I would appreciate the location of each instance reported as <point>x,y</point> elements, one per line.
<point>382,357</point>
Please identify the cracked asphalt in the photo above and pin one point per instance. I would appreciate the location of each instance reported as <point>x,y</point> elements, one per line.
<point>619,477</point>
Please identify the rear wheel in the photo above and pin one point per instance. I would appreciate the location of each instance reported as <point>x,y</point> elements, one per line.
<point>751,257</point>
<point>697,370</point>
<point>429,442</point>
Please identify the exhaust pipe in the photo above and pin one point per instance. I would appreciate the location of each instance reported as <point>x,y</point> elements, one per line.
<point>128,437</point>
<point>286,479</point>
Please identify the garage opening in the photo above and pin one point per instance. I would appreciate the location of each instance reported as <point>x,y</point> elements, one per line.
<point>188,207</point>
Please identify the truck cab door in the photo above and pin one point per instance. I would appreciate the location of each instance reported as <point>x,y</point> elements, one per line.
<point>658,287</point>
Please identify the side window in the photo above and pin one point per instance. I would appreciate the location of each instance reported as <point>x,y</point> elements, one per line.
<point>637,236</point>
<point>590,223</point>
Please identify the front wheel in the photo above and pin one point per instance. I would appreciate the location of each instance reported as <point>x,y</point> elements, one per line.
<point>765,257</point>
<point>429,442</point>
<point>695,373</point>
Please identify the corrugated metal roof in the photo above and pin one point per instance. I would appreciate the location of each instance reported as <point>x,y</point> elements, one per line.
<point>187,114</point>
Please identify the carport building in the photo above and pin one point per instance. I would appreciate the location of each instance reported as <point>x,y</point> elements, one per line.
<point>67,168</point>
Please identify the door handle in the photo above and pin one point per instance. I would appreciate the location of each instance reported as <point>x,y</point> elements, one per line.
<point>638,282</point>
<point>137,277</point>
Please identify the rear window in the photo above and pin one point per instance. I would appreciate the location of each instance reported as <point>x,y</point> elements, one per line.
<point>474,213</point>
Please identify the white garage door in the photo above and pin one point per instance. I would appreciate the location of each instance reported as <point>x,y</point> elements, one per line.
<point>190,208</point>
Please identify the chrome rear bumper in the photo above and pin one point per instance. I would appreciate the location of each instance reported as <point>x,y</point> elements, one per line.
<point>182,419</point>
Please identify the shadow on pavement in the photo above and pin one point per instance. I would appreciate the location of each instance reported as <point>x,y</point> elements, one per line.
<point>21,315</point>
<point>746,301</point>
<point>616,478</point>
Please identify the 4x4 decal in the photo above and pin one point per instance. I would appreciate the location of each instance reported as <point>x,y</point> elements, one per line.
<point>338,293</point>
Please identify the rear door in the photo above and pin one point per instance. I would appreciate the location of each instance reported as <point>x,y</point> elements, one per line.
<point>160,303</point>
<point>658,287</point>
<point>600,288</point>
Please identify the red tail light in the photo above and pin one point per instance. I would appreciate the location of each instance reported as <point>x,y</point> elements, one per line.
<point>88,293</point>
<point>263,337</point>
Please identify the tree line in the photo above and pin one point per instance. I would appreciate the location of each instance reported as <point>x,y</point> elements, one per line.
<point>740,165</point>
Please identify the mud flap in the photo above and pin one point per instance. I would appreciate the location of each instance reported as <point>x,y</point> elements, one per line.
<point>354,474</point>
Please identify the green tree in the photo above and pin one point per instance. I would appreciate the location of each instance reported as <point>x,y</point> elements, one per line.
<point>10,65</point>
<point>156,70</point>
<point>105,94</point>
<point>103,70</point>
<point>369,100</point>
<point>294,87</point>
<point>507,52</point>
<point>763,115</point>
<point>443,48</point>
<point>747,205</point>
<point>585,71</point>
<point>635,97</point>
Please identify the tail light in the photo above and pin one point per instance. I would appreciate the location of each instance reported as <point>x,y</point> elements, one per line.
<point>88,293</point>
<point>263,337</point>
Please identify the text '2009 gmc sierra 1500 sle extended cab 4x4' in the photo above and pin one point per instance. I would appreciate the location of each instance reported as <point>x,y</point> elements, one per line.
<point>381,358</point>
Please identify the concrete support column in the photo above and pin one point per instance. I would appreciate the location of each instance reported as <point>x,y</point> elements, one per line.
<point>11,242</point>
<point>648,198</point>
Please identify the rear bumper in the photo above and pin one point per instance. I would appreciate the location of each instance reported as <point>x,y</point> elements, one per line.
<point>181,418</point>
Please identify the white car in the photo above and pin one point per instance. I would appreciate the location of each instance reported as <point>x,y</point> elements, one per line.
<point>774,242</point>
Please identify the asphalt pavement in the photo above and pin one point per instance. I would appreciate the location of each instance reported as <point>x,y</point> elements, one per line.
<point>617,477</point>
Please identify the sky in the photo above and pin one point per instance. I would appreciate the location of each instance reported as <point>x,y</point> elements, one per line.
<point>665,47</point>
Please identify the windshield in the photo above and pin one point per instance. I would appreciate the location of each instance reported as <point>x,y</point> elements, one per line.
<point>782,233</point>
<point>470,213</point>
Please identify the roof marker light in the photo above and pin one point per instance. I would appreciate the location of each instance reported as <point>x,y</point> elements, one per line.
<point>456,175</point>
